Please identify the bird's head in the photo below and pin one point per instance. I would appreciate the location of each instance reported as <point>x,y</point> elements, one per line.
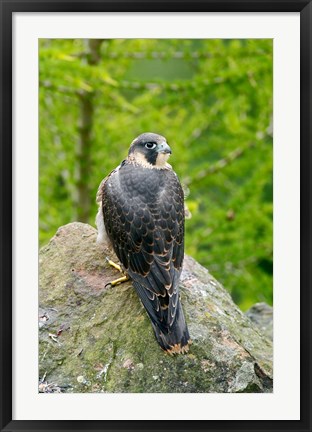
<point>150,150</point>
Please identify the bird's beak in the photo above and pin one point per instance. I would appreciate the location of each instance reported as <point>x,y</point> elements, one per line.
<point>163,147</point>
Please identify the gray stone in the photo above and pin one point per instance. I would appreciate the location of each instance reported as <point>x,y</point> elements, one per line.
<point>97,339</point>
<point>261,314</point>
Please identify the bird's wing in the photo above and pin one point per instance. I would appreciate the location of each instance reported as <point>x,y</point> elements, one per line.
<point>148,238</point>
<point>102,237</point>
<point>99,193</point>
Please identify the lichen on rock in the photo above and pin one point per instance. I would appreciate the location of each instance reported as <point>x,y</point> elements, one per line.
<point>97,339</point>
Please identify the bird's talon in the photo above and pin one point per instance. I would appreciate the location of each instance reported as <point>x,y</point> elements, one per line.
<point>117,281</point>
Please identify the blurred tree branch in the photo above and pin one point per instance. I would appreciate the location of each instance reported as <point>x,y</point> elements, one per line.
<point>166,55</point>
<point>139,85</point>
<point>219,165</point>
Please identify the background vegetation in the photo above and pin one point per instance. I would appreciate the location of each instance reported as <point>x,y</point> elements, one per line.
<point>211,99</point>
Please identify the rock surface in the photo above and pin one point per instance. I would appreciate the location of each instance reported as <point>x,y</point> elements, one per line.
<point>97,339</point>
<point>262,315</point>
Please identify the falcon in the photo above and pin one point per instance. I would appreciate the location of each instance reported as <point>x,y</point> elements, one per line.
<point>141,215</point>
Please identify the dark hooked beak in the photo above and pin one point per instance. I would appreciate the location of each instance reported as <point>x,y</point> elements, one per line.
<point>163,148</point>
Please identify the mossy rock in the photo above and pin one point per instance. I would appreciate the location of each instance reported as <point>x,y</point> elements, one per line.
<point>97,339</point>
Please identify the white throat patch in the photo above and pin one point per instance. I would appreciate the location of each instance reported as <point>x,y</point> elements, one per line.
<point>161,161</point>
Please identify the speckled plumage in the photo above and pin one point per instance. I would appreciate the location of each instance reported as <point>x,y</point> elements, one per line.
<point>143,212</point>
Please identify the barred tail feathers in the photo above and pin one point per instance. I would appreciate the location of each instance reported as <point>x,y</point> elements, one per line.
<point>175,338</point>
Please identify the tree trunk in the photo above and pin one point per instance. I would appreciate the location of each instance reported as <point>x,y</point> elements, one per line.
<point>84,144</point>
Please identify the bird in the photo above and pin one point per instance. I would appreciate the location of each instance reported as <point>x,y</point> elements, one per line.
<point>141,215</point>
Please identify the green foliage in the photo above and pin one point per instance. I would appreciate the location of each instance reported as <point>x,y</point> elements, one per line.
<point>212,99</point>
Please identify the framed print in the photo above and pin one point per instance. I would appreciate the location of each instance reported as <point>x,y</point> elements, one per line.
<point>158,315</point>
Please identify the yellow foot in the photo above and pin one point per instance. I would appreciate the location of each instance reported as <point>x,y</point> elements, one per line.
<point>116,266</point>
<point>119,280</point>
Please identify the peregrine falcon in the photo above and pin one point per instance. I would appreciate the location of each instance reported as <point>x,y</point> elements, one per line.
<point>141,213</point>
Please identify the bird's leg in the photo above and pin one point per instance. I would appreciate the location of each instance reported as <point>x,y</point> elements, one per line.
<point>116,266</point>
<point>119,280</point>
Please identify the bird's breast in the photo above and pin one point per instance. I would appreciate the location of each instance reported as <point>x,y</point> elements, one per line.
<point>140,182</point>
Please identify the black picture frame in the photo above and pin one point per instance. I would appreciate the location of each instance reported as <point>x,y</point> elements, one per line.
<point>9,7</point>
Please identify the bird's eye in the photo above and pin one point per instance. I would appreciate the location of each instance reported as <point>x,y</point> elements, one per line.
<point>150,145</point>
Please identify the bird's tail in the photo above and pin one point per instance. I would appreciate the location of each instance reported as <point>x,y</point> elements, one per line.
<point>174,339</point>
